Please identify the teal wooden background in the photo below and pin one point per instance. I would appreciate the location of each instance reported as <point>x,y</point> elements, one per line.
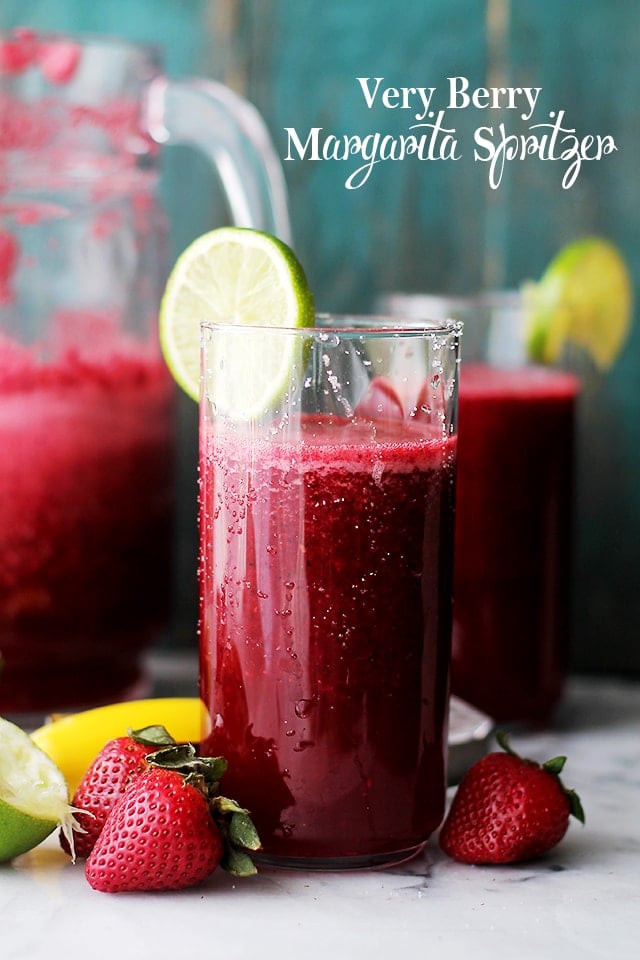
<point>421,226</point>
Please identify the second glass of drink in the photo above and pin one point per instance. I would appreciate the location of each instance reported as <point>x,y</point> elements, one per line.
<point>514,497</point>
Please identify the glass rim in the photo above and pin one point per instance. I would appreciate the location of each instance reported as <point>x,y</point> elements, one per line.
<point>351,325</point>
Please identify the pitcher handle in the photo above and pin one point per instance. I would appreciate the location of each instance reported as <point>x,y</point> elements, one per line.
<point>231,132</point>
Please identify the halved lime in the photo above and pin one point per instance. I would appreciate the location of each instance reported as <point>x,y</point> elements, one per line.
<point>584,298</point>
<point>34,798</point>
<point>235,275</point>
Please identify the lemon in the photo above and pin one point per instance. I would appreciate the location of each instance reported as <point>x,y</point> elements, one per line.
<point>584,298</point>
<point>34,797</point>
<point>243,277</point>
<point>74,741</point>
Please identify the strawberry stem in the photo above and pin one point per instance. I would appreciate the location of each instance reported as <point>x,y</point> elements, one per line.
<point>503,740</point>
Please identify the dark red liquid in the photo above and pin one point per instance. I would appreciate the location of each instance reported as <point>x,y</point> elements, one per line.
<point>325,635</point>
<point>513,540</point>
<point>85,509</point>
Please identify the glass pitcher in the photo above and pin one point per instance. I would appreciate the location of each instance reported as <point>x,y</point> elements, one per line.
<point>86,403</point>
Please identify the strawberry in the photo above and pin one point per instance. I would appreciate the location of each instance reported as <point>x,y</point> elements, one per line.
<point>170,828</point>
<point>508,808</point>
<point>118,763</point>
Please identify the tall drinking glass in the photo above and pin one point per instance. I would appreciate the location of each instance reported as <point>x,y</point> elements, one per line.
<point>326,524</point>
<point>513,513</point>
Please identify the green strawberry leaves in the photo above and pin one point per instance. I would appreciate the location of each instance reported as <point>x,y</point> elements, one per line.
<point>241,830</point>
<point>184,758</point>
<point>554,767</point>
<point>239,835</point>
<point>575,804</point>
<point>153,736</point>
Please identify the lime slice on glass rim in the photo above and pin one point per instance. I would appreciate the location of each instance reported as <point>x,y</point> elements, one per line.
<point>584,298</point>
<point>235,275</point>
<point>34,798</point>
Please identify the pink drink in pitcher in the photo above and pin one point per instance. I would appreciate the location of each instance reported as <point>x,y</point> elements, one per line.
<point>86,492</point>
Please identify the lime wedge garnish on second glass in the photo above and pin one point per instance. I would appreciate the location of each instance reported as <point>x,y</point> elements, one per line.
<point>583,298</point>
<point>244,277</point>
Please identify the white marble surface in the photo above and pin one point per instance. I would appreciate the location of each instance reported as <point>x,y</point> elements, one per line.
<point>581,901</point>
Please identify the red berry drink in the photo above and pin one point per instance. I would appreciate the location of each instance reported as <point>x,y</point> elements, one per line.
<point>85,508</point>
<point>513,539</point>
<point>326,635</point>
<point>326,566</point>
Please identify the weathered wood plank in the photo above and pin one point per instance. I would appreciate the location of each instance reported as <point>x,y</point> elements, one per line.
<point>414,224</point>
